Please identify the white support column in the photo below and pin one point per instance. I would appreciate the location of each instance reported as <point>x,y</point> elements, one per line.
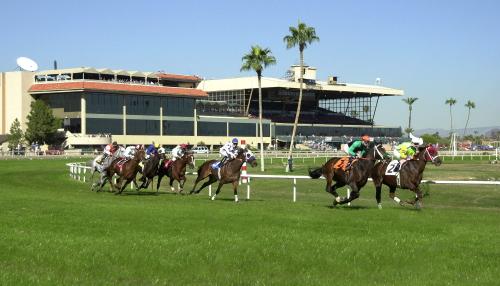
<point>83,114</point>
<point>195,121</point>
<point>124,119</point>
<point>161,120</point>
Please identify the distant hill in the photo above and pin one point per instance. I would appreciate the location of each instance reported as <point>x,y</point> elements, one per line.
<point>445,132</point>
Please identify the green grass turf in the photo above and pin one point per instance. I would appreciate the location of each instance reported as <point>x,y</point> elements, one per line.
<point>55,231</point>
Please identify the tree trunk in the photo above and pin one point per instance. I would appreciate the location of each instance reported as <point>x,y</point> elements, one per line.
<point>409,121</point>
<point>466,123</point>
<point>451,121</point>
<point>297,114</point>
<point>261,133</point>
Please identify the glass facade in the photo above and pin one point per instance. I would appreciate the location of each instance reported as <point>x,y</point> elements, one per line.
<point>337,131</point>
<point>171,127</point>
<point>143,127</point>
<point>212,129</point>
<point>104,103</point>
<point>242,129</point>
<point>142,105</point>
<point>104,126</point>
<point>70,101</point>
<point>178,106</point>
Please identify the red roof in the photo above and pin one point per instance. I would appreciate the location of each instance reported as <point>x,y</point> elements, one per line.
<point>88,85</point>
<point>178,77</point>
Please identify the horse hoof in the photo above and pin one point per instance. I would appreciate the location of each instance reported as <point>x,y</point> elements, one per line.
<point>213,198</point>
<point>379,206</point>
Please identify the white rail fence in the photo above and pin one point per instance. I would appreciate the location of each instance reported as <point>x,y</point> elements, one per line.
<point>79,170</point>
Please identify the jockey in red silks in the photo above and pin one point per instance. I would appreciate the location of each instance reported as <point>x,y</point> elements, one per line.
<point>109,150</point>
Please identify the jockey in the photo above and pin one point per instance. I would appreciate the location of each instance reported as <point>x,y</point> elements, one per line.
<point>179,151</point>
<point>130,151</point>
<point>152,150</point>
<point>228,151</point>
<point>109,150</point>
<point>360,146</point>
<point>406,150</point>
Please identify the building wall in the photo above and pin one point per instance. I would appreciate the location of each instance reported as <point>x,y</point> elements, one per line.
<point>14,98</point>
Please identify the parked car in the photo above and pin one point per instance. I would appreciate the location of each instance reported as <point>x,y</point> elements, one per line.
<point>201,150</point>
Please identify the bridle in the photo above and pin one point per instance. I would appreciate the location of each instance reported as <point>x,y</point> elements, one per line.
<point>427,153</point>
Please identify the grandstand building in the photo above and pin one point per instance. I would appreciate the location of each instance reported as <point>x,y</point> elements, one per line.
<point>132,107</point>
<point>329,108</point>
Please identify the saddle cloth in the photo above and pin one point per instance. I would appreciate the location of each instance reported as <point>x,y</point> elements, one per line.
<point>392,168</point>
<point>343,163</point>
<point>167,163</point>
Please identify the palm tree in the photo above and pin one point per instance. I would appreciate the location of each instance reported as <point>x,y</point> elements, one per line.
<point>451,101</point>
<point>410,101</point>
<point>257,59</point>
<point>469,105</point>
<point>301,36</point>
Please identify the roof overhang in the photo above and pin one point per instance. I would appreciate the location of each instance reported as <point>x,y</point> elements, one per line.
<point>267,82</point>
<point>52,87</point>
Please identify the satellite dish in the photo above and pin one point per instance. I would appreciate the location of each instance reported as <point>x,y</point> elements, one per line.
<point>27,64</point>
<point>377,81</point>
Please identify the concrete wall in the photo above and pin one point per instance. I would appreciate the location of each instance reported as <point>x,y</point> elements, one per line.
<point>14,98</point>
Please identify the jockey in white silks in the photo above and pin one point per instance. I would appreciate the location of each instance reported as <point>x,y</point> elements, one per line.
<point>130,151</point>
<point>228,151</point>
<point>179,151</point>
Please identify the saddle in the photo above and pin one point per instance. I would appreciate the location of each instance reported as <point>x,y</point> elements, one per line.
<point>344,164</point>
<point>167,164</point>
<point>121,163</point>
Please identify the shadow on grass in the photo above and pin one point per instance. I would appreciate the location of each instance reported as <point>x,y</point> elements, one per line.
<point>346,207</point>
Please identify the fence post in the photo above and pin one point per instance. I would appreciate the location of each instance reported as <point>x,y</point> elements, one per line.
<point>248,188</point>
<point>84,174</point>
<point>294,190</point>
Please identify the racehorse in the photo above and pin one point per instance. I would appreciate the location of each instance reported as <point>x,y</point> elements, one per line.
<point>176,171</point>
<point>150,170</point>
<point>355,177</point>
<point>126,171</point>
<point>229,173</point>
<point>409,177</point>
<point>100,168</point>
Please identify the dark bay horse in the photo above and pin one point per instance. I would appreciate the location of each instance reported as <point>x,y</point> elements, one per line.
<point>410,176</point>
<point>126,171</point>
<point>176,171</point>
<point>229,173</point>
<point>355,177</point>
<point>150,170</point>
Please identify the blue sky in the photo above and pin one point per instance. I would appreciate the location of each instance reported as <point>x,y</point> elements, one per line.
<point>432,49</point>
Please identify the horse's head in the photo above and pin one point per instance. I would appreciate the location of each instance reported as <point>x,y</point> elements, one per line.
<point>376,152</point>
<point>430,154</point>
<point>188,157</point>
<point>140,155</point>
<point>247,156</point>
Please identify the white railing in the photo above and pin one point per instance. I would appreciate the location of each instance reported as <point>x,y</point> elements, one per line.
<point>78,171</point>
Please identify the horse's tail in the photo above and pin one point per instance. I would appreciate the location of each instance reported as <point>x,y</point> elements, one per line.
<point>315,173</point>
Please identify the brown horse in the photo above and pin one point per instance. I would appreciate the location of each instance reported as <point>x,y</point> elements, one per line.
<point>150,170</point>
<point>176,171</point>
<point>355,177</point>
<point>410,176</point>
<point>229,173</point>
<point>126,171</point>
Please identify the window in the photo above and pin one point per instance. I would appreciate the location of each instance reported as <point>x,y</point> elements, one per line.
<point>243,129</point>
<point>171,127</point>
<point>96,126</point>
<point>212,129</point>
<point>178,106</point>
<point>104,103</point>
<point>143,127</point>
<point>142,105</point>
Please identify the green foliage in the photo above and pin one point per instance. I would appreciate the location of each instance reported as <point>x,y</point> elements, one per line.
<point>42,124</point>
<point>16,135</point>
<point>257,59</point>
<point>301,36</point>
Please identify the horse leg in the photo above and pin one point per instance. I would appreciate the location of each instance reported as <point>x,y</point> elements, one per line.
<point>172,184</point>
<point>218,190</point>
<point>378,195</point>
<point>211,180</point>
<point>352,196</point>
<point>418,198</point>
<point>235,191</point>
<point>333,191</point>
<point>160,176</point>
<point>119,186</point>
<point>125,184</point>
<point>393,196</point>
<point>182,181</point>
